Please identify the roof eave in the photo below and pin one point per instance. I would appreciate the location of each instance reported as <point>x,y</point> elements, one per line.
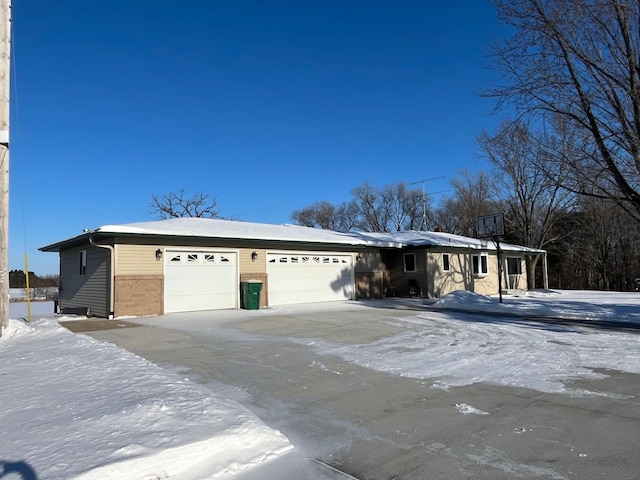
<point>102,234</point>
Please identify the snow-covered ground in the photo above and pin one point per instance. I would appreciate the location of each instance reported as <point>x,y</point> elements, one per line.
<point>77,408</point>
<point>542,340</point>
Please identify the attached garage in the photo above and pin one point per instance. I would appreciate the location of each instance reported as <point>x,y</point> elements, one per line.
<point>304,277</point>
<point>200,280</point>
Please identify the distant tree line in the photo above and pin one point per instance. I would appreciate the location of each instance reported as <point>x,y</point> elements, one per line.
<point>18,279</point>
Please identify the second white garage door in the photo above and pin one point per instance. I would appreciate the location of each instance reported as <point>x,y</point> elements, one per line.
<point>200,280</point>
<point>309,277</point>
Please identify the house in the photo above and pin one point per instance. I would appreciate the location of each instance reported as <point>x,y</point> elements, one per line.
<point>188,264</point>
<point>440,263</point>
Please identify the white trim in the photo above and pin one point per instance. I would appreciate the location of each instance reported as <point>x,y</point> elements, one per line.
<point>169,250</point>
<point>314,260</point>
<point>480,256</point>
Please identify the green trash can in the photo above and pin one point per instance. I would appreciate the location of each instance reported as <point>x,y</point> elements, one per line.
<point>250,294</point>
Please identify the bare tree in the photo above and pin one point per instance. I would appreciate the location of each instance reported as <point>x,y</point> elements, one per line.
<point>473,198</point>
<point>391,209</point>
<point>373,214</point>
<point>325,215</point>
<point>534,201</point>
<point>603,249</point>
<point>176,205</point>
<point>405,207</point>
<point>578,61</point>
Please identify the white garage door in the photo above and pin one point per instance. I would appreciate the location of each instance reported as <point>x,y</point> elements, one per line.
<point>200,280</point>
<point>309,277</point>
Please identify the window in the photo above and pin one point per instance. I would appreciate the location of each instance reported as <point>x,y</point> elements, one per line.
<point>514,266</point>
<point>480,264</point>
<point>446,265</point>
<point>83,262</point>
<point>409,262</point>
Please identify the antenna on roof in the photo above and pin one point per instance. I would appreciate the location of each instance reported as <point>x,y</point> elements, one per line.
<point>423,224</point>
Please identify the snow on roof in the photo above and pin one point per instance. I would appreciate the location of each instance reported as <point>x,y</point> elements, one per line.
<point>216,228</point>
<point>232,229</point>
<point>440,239</point>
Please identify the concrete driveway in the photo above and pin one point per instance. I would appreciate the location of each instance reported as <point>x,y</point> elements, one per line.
<point>374,425</point>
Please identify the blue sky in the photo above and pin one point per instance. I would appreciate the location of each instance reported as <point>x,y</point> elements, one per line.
<point>267,106</point>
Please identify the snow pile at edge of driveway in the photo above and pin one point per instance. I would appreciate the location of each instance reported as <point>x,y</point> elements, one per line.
<point>74,407</point>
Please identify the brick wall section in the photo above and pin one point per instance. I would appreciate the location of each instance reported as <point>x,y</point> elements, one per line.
<point>139,295</point>
<point>264,293</point>
<point>369,285</point>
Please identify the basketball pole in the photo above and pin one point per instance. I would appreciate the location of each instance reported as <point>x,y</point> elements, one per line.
<point>492,226</point>
<point>496,240</point>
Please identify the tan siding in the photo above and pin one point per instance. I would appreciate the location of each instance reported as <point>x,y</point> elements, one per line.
<point>249,266</point>
<point>458,277</point>
<point>487,284</point>
<point>138,260</point>
<point>369,261</point>
<point>89,291</point>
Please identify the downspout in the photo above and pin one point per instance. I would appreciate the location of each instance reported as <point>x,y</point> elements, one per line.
<point>113,274</point>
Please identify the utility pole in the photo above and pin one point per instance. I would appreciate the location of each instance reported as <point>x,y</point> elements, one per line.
<point>5,81</point>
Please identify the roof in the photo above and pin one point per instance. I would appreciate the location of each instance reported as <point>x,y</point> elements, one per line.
<point>221,229</point>
<point>231,229</point>
<point>441,239</point>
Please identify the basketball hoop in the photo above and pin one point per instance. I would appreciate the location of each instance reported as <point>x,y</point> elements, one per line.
<point>490,226</point>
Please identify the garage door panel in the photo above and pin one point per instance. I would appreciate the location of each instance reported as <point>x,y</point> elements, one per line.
<point>200,280</point>
<point>309,277</point>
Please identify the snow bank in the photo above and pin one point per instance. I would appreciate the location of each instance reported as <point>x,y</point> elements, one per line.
<point>76,408</point>
<point>583,305</point>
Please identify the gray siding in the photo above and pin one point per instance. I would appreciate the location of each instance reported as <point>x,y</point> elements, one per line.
<point>89,291</point>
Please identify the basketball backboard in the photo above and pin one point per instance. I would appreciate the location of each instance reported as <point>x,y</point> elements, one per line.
<point>490,225</point>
